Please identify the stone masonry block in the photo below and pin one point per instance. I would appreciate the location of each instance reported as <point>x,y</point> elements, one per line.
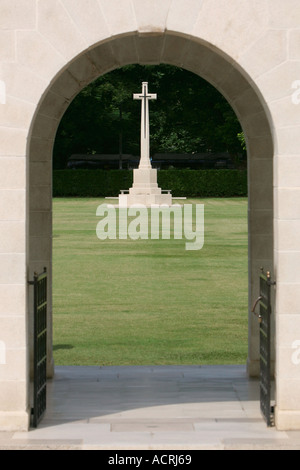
<point>231,26</point>
<point>181,19</point>
<point>92,26</point>
<point>56,25</point>
<point>12,175</point>
<point>18,14</point>
<point>13,141</point>
<point>12,299</point>
<point>266,53</point>
<point>120,16</point>
<point>12,236</point>
<point>151,16</point>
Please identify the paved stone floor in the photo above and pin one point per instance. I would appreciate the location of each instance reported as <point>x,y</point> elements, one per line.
<point>159,407</point>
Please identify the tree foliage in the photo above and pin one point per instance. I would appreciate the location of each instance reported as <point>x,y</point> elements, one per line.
<point>189,116</point>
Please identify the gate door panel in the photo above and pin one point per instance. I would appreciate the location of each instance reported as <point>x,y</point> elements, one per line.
<point>40,347</point>
<point>264,317</point>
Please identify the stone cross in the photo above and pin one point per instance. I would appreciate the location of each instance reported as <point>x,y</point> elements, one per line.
<point>145,134</point>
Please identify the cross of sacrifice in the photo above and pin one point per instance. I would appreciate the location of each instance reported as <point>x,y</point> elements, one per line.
<point>145,134</point>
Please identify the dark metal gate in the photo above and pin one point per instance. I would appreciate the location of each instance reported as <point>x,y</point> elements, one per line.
<point>40,347</point>
<point>264,317</point>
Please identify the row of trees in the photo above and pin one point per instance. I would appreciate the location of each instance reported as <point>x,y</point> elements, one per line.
<point>189,116</point>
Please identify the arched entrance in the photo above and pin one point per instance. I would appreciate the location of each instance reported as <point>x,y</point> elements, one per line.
<point>200,58</point>
<point>247,51</point>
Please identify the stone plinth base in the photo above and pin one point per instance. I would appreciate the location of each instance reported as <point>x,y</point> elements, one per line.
<point>127,200</point>
<point>287,420</point>
<point>253,368</point>
<point>50,365</point>
<point>145,182</point>
<point>14,421</point>
<point>145,190</point>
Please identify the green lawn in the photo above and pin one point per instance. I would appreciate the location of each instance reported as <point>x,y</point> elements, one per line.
<point>122,302</point>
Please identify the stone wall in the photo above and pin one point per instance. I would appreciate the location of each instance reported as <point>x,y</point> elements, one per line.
<point>50,49</point>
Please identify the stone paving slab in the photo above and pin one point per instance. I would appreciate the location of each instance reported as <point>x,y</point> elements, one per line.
<point>152,407</point>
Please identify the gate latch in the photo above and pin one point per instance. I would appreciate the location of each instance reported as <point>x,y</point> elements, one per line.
<point>254,307</point>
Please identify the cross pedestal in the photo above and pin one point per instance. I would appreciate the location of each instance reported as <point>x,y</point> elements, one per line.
<point>145,189</point>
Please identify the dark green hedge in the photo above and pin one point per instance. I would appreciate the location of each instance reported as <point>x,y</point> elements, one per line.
<point>189,183</point>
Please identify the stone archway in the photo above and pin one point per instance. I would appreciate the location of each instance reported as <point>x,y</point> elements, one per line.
<point>247,50</point>
<point>199,58</point>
